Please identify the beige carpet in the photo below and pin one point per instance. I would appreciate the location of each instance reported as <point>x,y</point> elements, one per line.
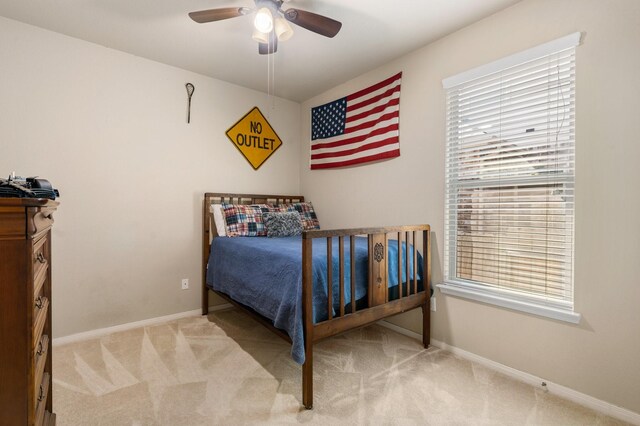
<point>229,370</point>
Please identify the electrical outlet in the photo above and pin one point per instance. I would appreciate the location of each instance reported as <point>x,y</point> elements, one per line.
<point>185,283</point>
<point>433,304</point>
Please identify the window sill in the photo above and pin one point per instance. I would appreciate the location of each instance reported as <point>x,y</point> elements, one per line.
<point>506,302</point>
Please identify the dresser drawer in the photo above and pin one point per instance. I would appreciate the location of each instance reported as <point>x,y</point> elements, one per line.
<point>40,309</point>
<point>42,390</point>
<point>39,220</point>
<point>38,286</point>
<point>41,379</point>
<point>40,258</point>
<point>13,222</point>
<point>40,353</point>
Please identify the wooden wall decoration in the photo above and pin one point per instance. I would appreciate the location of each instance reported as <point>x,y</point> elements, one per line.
<point>190,89</point>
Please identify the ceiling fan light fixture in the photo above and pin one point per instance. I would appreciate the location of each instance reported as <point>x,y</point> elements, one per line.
<point>271,24</point>
<point>259,36</point>
<point>283,29</point>
<point>264,20</point>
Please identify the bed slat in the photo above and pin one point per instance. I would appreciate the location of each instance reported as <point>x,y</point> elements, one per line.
<point>415,265</point>
<point>308,328</point>
<point>406,261</point>
<point>426,279</point>
<point>352,256</point>
<point>341,256</point>
<point>400,265</point>
<point>329,278</point>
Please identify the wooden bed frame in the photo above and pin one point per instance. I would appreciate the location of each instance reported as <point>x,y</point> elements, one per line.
<point>379,306</point>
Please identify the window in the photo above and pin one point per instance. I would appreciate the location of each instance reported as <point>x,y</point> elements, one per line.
<point>509,207</point>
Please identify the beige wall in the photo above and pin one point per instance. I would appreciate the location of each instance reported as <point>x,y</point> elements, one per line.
<point>93,120</point>
<point>599,356</point>
<point>109,130</point>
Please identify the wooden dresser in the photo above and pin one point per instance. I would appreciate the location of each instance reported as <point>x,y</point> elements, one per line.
<point>25,311</point>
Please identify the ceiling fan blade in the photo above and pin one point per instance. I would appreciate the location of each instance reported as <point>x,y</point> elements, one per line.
<point>271,47</point>
<point>211,15</point>
<point>313,22</point>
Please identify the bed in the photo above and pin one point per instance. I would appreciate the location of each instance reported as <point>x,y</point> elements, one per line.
<point>318,284</point>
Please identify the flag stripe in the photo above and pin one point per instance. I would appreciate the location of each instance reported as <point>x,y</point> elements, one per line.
<point>353,110</point>
<point>360,128</point>
<point>359,160</point>
<point>372,123</point>
<point>375,87</point>
<point>373,151</point>
<point>376,98</point>
<point>335,143</point>
<point>379,108</point>
<point>361,148</point>
<point>363,137</point>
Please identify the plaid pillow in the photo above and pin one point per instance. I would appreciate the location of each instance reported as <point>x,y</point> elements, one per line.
<point>245,220</point>
<point>307,214</point>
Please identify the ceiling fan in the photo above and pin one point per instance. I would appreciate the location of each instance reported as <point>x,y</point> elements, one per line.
<point>271,22</point>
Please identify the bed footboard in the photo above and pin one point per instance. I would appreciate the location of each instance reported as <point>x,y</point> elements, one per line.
<point>379,305</point>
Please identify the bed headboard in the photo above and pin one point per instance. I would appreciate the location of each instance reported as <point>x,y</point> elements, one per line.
<point>210,232</point>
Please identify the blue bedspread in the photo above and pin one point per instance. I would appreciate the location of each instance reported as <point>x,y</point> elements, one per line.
<point>266,275</point>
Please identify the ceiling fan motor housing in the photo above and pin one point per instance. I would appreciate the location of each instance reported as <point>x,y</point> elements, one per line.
<point>273,5</point>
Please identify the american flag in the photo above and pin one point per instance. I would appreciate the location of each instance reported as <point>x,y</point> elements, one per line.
<point>359,128</point>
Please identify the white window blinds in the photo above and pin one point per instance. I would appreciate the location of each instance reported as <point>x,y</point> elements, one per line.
<point>509,218</point>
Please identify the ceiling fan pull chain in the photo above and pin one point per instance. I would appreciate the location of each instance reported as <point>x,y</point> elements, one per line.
<point>273,82</point>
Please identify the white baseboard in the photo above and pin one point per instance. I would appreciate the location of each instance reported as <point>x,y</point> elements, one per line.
<point>559,390</point>
<point>100,332</point>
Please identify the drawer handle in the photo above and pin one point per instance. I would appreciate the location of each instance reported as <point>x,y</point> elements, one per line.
<point>41,395</point>
<point>39,302</point>
<point>40,348</point>
<point>41,258</point>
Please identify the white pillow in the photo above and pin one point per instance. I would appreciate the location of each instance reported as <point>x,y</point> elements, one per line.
<point>218,218</point>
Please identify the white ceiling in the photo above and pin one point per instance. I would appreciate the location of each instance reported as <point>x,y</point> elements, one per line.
<point>373,33</point>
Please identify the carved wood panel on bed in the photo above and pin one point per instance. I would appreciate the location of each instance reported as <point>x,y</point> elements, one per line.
<point>380,302</point>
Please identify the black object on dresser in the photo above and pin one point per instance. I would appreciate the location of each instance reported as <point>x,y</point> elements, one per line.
<point>25,311</point>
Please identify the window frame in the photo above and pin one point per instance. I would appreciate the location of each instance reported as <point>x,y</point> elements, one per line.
<point>516,300</point>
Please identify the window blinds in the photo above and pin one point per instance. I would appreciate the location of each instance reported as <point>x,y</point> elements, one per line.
<point>509,208</point>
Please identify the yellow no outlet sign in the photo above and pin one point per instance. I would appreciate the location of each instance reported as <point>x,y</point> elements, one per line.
<point>254,137</point>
